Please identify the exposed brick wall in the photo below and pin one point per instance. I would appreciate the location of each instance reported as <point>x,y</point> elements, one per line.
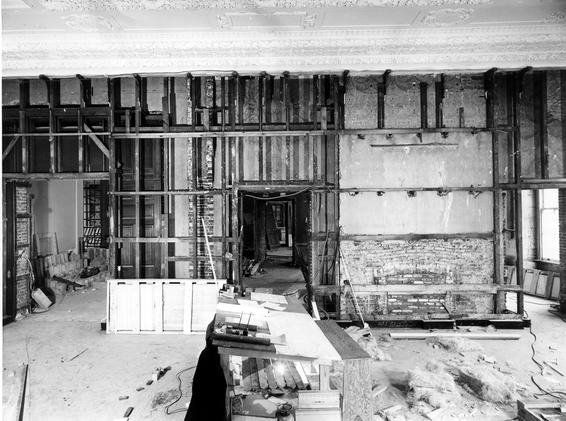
<point>429,261</point>
<point>205,206</point>
<point>415,304</point>
<point>376,304</point>
<point>420,262</point>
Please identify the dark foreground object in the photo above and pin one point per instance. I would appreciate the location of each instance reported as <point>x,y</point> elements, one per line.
<point>209,385</point>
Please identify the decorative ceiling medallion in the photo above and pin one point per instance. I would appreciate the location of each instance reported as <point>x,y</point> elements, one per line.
<point>273,20</point>
<point>89,23</point>
<point>91,5</point>
<point>447,17</point>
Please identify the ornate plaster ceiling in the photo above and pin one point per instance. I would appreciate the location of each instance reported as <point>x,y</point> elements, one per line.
<point>93,37</point>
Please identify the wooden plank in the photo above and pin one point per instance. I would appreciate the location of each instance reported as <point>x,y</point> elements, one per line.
<point>246,371</point>
<point>268,367</point>
<point>146,302</point>
<point>205,297</point>
<point>278,375</point>
<point>357,391</point>
<point>311,399</point>
<point>295,375</point>
<point>262,374</point>
<point>96,140</point>
<point>238,346</point>
<point>517,85</point>
<point>254,376</point>
<point>324,377</point>
<point>173,307</point>
<point>466,335</point>
<point>424,104</point>
<point>289,381</point>
<point>158,306</point>
<point>341,341</point>
<point>188,308</point>
<point>10,146</point>
<point>301,371</point>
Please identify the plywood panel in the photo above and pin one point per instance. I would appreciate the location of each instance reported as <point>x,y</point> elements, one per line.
<point>147,302</point>
<point>555,289</point>
<point>542,284</point>
<point>465,161</point>
<point>426,213</point>
<point>124,306</point>
<point>173,307</point>
<point>204,305</point>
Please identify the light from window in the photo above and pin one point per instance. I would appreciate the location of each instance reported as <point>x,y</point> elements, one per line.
<point>549,242</point>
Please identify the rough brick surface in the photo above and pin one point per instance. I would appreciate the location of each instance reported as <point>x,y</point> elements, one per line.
<point>431,261</point>
<point>421,262</point>
<point>22,292</point>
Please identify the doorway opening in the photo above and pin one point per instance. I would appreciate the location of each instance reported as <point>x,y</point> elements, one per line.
<point>275,240</point>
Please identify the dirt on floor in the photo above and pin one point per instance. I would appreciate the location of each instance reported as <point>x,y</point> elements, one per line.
<point>78,372</point>
<point>461,379</point>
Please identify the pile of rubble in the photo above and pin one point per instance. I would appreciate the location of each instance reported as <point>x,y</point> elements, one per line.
<point>459,383</point>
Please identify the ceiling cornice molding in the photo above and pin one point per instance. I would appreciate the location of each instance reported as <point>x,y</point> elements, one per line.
<point>128,5</point>
<point>413,49</point>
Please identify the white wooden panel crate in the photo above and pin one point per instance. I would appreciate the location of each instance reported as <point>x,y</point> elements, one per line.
<point>160,305</point>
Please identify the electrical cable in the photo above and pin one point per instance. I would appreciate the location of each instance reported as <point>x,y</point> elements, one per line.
<point>278,197</point>
<point>180,393</point>
<point>539,365</point>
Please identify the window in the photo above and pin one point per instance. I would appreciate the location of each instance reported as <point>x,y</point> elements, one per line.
<point>548,207</point>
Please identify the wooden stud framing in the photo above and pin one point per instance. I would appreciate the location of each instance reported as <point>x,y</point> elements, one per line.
<point>517,96</point>
<point>423,86</point>
<point>112,269</point>
<point>137,225</point>
<point>489,87</point>
<point>439,98</point>
<point>229,130</point>
<point>540,121</point>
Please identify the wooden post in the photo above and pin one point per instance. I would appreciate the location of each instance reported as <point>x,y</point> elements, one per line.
<point>324,377</point>
<point>53,96</point>
<point>168,84</point>
<point>517,96</point>
<point>23,127</point>
<point>112,182</point>
<point>540,121</point>
<point>137,224</point>
<point>424,104</point>
<point>439,98</point>
<point>489,87</point>
<point>287,101</point>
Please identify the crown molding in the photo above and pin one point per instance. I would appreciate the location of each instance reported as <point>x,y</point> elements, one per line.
<point>124,5</point>
<point>464,47</point>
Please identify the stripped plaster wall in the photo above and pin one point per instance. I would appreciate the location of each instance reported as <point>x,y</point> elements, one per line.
<point>458,249</point>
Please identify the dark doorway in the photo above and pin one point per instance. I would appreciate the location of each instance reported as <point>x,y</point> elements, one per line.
<point>275,240</point>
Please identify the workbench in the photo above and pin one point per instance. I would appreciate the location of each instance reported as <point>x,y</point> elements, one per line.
<point>316,367</point>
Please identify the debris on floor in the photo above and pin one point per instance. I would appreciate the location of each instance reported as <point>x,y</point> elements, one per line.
<point>368,343</point>
<point>458,380</point>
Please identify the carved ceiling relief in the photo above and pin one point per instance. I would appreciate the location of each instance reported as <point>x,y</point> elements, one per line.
<point>91,5</point>
<point>278,19</point>
<point>447,17</point>
<point>89,23</point>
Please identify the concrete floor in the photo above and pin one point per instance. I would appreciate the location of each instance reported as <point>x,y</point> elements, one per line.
<point>88,387</point>
<point>278,274</point>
